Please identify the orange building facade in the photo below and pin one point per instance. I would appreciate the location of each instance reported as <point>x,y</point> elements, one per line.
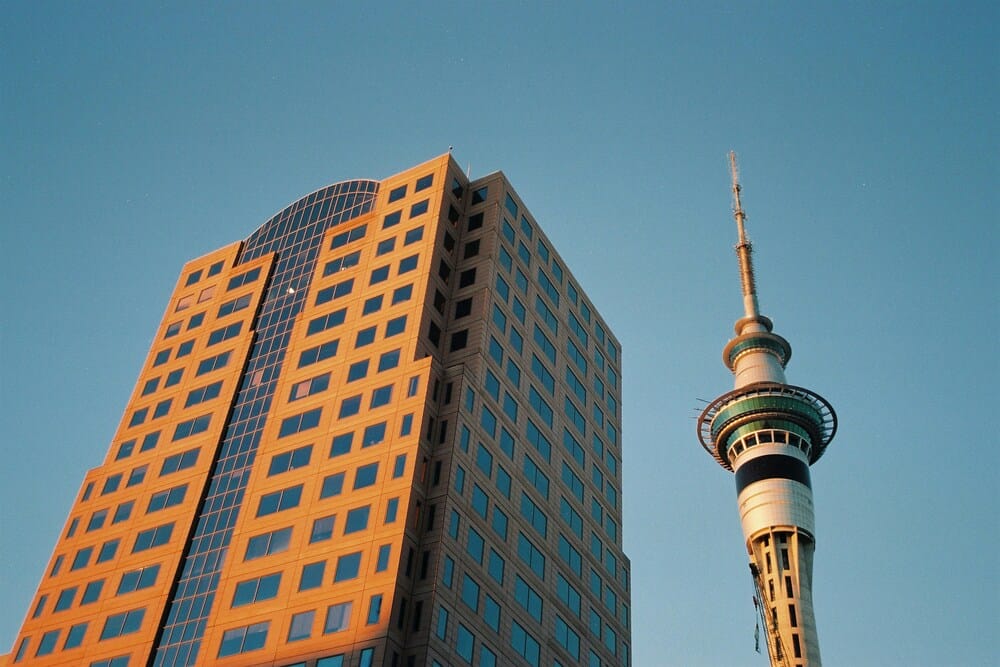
<point>383,430</point>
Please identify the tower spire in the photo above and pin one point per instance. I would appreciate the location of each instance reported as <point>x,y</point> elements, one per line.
<point>769,432</point>
<point>744,249</point>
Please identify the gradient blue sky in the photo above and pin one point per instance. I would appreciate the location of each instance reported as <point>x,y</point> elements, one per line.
<point>135,137</point>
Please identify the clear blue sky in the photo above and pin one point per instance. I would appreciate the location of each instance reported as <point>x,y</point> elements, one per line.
<point>135,137</point>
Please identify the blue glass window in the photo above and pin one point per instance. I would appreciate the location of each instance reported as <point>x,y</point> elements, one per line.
<point>75,636</point>
<point>528,598</point>
<point>179,461</point>
<point>357,370</point>
<point>243,279</point>
<point>531,555</point>
<point>191,427</point>
<point>312,576</point>
<point>319,353</point>
<point>65,599</point>
<point>325,322</point>
<point>372,305</point>
<point>525,645</point>
<point>322,529</point>
<point>153,537</point>
<point>333,292</point>
<point>296,458</point>
<point>382,562</point>
<point>167,498</point>
<point>474,547</point>
<point>279,500</point>
<point>392,219</point>
<point>122,624</point>
<point>365,337</point>
<point>357,519</point>
<point>301,625</point>
<point>235,305</point>
<point>213,363</point>
<point>341,263</point>
<point>349,407</point>
<point>366,476</point>
<point>381,396</point>
<point>414,235</point>
<point>401,294</point>
<point>266,544</point>
<point>338,618</point>
<point>346,237</point>
<point>244,639</point>
<point>225,333</point>
<point>419,208</point>
<point>136,580</point>
<point>397,193</point>
<point>395,326</point>
<point>300,422</point>
<point>348,566</point>
<point>333,485</point>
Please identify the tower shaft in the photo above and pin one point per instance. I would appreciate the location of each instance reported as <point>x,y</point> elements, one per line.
<point>768,433</point>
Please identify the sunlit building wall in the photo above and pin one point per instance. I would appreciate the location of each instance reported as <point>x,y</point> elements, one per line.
<point>385,429</point>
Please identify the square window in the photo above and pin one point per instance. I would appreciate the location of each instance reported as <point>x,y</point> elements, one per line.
<point>338,617</point>
<point>395,326</point>
<point>413,235</point>
<point>322,529</point>
<point>459,340</point>
<point>301,626</point>
<point>350,406</point>
<point>92,591</point>
<point>357,520</point>
<point>372,305</point>
<point>381,396</point>
<point>357,370</point>
<point>467,277</point>
<point>392,219</point>
<point>419,208</point>
<point>401,294</point>
<point>347,567</point>
<point>365,476</point>
<point>332,485</point>
<point>408,264</point>
<point>388,360</point>
<point>312,576</point>
<point>365,337</point>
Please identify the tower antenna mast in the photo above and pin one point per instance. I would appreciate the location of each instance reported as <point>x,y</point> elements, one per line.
<point>744,249</point>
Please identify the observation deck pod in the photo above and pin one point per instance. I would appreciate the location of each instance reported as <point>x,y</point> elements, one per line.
<point>764,406</point>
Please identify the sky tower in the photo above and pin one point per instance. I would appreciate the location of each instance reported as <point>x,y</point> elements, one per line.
<point>769,432</point>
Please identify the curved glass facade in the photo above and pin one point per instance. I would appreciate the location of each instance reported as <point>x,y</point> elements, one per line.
<point>295,234</point>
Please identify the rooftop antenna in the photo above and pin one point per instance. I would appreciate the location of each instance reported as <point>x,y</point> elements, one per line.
<point>744,249</point>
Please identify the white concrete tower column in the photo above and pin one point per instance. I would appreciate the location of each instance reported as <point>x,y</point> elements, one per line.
<point>768,433</point>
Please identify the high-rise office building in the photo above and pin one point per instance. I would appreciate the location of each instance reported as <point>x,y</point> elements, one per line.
<point>769,432</point>
<point>382,430</point>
